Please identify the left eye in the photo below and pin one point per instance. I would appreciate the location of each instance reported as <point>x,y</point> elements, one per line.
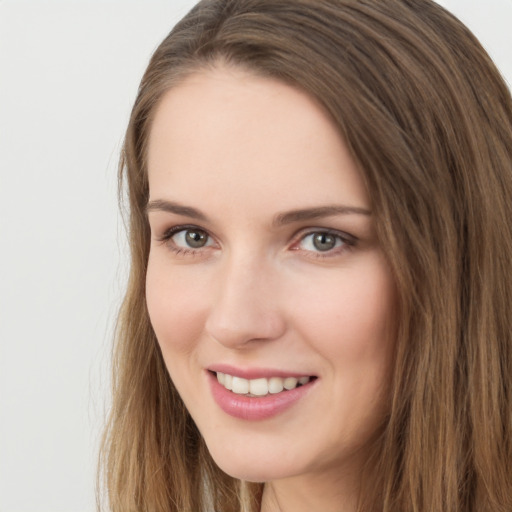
<point>321,242</point>
<point>192,239</point>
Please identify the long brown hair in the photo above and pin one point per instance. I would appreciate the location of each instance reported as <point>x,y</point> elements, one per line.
<point>428,118</point>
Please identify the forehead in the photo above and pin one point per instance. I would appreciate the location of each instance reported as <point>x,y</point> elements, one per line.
<point>227,132</point>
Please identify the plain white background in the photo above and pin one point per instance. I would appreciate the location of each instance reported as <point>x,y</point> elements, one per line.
<point>69,72</point>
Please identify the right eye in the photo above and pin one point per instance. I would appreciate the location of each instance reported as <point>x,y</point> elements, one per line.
<point>186,239</point>
<point>191,238</point>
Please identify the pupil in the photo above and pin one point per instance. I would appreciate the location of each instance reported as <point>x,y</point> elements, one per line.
<point>196,239</point>
<point>324,241</point>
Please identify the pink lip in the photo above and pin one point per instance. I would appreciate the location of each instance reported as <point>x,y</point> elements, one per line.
<point>256,408</point>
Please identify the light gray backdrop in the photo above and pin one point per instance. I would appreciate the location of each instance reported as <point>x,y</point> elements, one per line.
<point>69,71</point>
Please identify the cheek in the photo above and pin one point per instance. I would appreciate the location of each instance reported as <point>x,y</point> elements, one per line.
<point>176,306</point>
<point>353,329</point>
<point>350,322</point>
<point>356,309</point>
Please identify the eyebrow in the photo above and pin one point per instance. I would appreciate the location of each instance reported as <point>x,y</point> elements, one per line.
<point>280,219</point>
<point>317,213</point>
<point>172,207</point>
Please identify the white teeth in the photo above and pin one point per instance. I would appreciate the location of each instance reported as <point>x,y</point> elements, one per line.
<point>290,383</point>
<point>259,387</point>
<point>275,385</point>
<point>240,386</point>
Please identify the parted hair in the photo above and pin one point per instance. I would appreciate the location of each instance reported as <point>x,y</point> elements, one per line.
<point>428,118</point>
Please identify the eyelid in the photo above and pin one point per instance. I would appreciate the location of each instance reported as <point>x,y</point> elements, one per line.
<point>348,240</point>
<point>329,231</point>
<point>168,234</point>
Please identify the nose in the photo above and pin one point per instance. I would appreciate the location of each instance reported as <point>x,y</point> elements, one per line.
<point>245,307</point>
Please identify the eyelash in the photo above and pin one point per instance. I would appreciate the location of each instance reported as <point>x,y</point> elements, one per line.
<point>348,241</point>
<point>166,239</point>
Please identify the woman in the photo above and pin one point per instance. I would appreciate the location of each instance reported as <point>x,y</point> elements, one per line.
<point>317,316</point>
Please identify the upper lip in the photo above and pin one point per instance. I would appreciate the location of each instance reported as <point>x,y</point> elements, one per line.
<point>254,372</point>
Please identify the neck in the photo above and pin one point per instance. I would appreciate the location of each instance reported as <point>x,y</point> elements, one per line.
<point>311,492</point>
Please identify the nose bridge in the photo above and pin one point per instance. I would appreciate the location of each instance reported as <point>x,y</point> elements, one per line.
<point>245,307</point>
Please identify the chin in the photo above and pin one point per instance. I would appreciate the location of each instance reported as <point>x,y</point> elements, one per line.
<point>251,471</point>
<point>256,465</point>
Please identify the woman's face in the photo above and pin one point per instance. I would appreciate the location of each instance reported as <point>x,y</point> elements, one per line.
<point>265,268</point>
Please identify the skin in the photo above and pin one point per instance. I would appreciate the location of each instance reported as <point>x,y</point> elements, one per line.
<point>242,150</point>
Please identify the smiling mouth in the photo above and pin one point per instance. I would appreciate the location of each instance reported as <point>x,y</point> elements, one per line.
<point>260,387</point>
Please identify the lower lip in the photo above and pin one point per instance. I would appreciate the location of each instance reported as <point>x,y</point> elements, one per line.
<point>256,408</point>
